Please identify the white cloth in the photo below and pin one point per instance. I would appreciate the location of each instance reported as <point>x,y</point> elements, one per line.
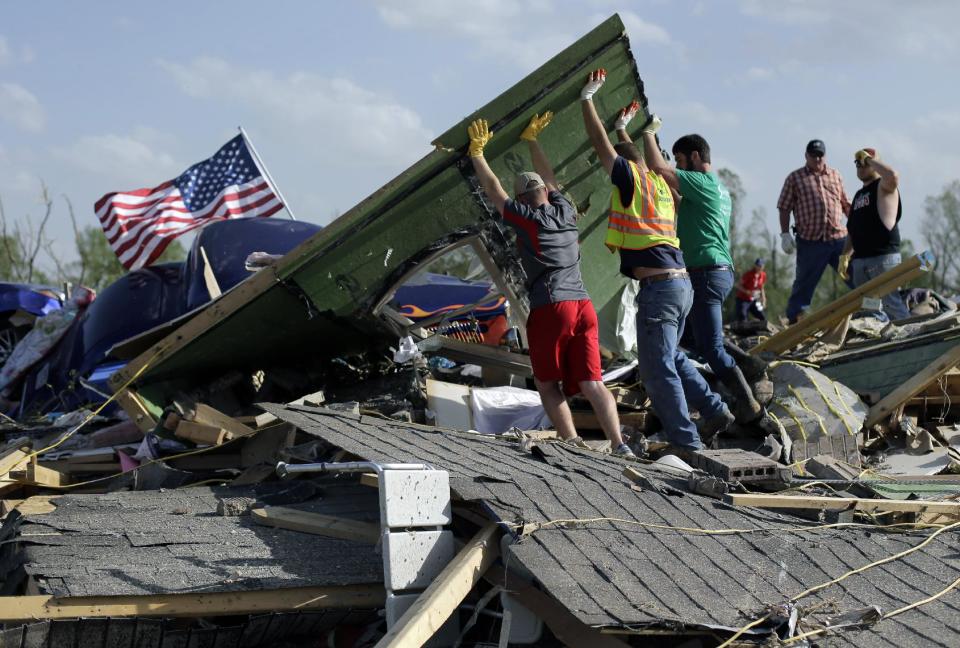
<point>497,409</point>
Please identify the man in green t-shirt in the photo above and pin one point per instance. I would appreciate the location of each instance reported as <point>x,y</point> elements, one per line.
<point>703,227</point>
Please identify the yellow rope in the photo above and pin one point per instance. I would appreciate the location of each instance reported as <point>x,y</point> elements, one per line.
<point>852,572</point>
<point>783,404</point>
<point>823,428</point>
<point>833,410</point>
<point>89,418</point>
<point>888,615</point>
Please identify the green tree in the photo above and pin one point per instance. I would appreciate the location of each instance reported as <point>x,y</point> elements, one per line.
<point>941,232</point>
<point>21,242</point>
<point>734,185</point>
<point>98,266</point>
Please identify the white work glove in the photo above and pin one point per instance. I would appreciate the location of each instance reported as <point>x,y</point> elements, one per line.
<point>626,114</point>
<point>594,81</point>
<point>787,244</point>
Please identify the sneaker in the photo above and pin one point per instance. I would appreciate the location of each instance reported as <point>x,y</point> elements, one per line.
<point>577,442</point>
<point>623,450</point>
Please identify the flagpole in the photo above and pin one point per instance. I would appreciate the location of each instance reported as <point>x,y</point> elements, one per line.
<point>266,174</point>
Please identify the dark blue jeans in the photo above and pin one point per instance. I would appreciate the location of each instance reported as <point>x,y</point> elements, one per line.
<point>669,377</point>
<point>710,288</point>
<point>812,259</point>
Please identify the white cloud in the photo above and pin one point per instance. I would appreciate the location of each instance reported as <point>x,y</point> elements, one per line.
<point>641,31</point>
<point>791,12</point>
<point>135,159</point>
<point>4,51</point>
<point>941,119</point>
<point>348,120</point>
<point>21,108</point>
<point>492,29</point>
<point>689,116</point>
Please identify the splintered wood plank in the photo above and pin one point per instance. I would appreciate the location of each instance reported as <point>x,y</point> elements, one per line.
<point>446,592</point>
<point>203,413</point>
<point>16,608</point>
<point>201,433</point>
<point>316,523</point>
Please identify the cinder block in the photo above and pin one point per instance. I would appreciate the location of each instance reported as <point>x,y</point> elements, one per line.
<point>741,465</point>
<point>412,498</point>
<point>397,604</point>
<point>412,559</point>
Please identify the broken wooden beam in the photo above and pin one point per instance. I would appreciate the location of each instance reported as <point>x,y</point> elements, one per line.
<point>444,595</point>
<point>843,504</point>
<point>294,599</point>
<point>837,310</point>
<point>480,354</point>
<point>203,413</point>
<point>316,523</point>
<point>202,434</point>
<point>917,383</point>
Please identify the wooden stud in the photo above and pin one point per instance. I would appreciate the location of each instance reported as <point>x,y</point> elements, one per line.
<point>18,608</point>
<point>917,383</point>
<point>203,413</point>
<point>133,405</point>
<point>38,475</point>
<point>202,434</point>
<point>843,503</point>
<point>444,595</point>
<point>317,524</point>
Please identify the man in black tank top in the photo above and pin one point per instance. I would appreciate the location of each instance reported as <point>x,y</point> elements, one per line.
<point>873,243</point>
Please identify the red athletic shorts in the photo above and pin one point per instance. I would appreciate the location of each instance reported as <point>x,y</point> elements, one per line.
<point>564,344</point>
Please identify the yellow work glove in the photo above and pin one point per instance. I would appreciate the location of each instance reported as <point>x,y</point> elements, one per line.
<point>479,134</point>
<point>863,156</point>
<point>536,126</point>
<point>842,266</point>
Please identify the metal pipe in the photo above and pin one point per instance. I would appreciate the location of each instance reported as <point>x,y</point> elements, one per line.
<point>283,469</point>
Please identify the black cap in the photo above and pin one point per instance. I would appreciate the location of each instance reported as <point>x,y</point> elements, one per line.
<point>758,262</point>
<point>816,147</point>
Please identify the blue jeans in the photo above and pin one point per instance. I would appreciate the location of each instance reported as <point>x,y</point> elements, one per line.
<point>863,270</point>
<point>668,376</point>
<point>710,288</point>
<point>812,259</point>
<point>747,307</point>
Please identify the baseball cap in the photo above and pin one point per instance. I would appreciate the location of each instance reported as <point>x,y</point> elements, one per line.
<point>527,181</point>
<point>758,262</point>
<point>816,147</point>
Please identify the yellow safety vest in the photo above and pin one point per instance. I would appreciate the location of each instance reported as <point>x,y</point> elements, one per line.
<point>651,219</point>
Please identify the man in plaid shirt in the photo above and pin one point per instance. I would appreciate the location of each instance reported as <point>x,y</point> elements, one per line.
<point>815,195</point>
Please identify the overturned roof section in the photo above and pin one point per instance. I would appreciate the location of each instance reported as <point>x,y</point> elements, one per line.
<point>649,560</point>
<point>324,289</point>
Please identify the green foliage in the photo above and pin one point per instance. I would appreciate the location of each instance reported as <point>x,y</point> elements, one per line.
<point>941,232</point>
<point>98,266</point>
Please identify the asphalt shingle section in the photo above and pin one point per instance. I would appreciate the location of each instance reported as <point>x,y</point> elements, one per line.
<point>169,542</point>
<point>643,569</point>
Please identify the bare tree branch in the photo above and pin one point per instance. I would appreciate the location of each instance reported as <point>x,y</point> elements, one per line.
<point>37,243</point>
<point>77,241</point>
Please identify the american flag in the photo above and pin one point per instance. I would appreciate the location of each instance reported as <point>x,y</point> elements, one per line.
<point>140,224</point>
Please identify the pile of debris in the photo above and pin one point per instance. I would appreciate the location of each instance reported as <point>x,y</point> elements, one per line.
<point>345,450</point>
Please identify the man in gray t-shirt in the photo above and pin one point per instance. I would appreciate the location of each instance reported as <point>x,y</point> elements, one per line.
<point>562,327</point>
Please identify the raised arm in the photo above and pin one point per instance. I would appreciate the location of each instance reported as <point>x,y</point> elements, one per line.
<point>591,121</point>
<point>623,119</point>
<point>540,162</point>
<point>480,134</point>
<point>651,153</point>
<point>889,183</point>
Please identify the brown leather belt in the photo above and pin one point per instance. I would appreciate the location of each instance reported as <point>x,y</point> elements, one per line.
<point>664,276</point>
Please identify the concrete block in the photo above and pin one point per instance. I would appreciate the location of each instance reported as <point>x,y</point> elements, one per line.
<point>412,559</point>
<point>411,498</point>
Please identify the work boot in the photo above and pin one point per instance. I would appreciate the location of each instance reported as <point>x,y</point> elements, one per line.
<point>714,425</point>
<point>746,409</point>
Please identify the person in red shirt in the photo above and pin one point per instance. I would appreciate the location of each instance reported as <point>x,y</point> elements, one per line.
<point>751,297</point>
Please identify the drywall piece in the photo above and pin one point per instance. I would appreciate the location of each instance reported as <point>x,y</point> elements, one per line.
<point>414,498</point>
<point>450,404</point>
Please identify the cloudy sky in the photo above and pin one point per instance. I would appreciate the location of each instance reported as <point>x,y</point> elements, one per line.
<point>340,97</point>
